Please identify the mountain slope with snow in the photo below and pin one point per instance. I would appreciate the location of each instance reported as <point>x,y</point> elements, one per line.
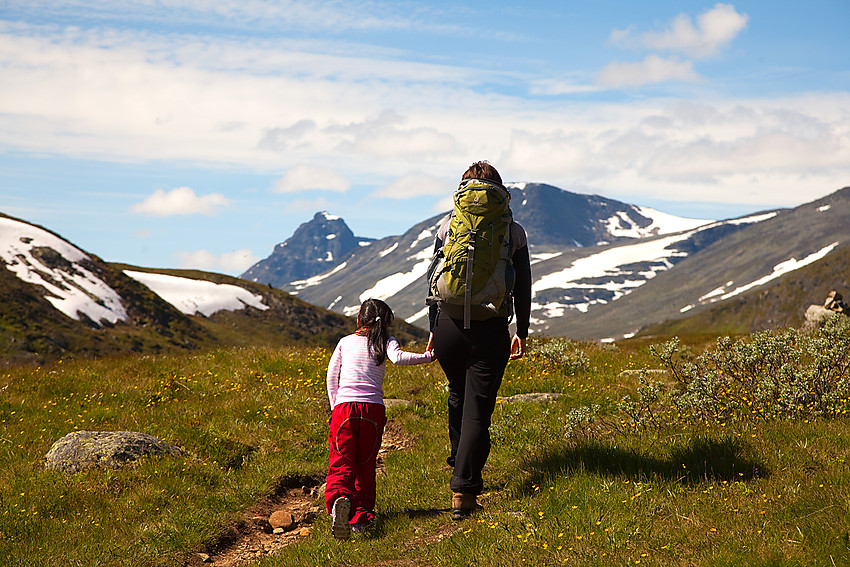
<point>601,268</point>
<point>68,277</point>
<point>58,300</point>
<point>191,296</point>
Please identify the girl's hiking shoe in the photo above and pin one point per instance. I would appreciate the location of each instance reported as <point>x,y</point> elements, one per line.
<point>340,512</point>
<point>361,527</point>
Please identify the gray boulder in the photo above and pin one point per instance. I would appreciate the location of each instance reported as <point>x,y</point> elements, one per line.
<point>816,316</point>
<point>81,450</point>
<point>396,403</point>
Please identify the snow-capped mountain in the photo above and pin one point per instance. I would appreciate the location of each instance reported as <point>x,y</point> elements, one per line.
<point>76,283</point>
<point>601,268</point>
<point>58,300</point>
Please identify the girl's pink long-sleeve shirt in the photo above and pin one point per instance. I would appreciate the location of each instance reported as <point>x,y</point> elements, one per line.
<point>353,375</point>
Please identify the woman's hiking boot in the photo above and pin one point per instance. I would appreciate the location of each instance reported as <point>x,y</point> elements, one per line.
<point>463,505</point>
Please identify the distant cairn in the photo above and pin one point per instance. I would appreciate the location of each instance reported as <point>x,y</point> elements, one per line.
<point>816,315</point>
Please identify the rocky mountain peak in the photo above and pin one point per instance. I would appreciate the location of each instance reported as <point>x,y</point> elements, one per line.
<point>314,247</point>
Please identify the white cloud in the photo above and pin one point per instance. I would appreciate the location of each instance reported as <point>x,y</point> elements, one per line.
<point>653,69</point>
<point>268,105</point>
<point>554,87</point>
<point>308,178</point>
<point>237,261</point>
<point>715,29</point>
<point>761,152</point>
<point>234,262</point>
<point>382,136</point>
<point>179,201</point>
<point>416,185</point>
<point>312,15</point>
<point>444,204</point>
<point>124,96</point>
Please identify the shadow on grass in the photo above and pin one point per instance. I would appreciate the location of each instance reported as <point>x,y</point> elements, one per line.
<point>698,461</point>
<point>379,529</point>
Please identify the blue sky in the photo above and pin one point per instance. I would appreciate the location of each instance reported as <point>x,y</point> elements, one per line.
<point>189,133</point>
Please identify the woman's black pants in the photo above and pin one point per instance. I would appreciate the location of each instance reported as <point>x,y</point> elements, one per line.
<point>474,361</point>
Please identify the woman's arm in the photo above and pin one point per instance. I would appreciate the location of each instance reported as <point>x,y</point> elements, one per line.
<point>522,291</point>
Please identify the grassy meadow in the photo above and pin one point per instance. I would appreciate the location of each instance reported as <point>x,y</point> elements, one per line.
<point>613,472</point>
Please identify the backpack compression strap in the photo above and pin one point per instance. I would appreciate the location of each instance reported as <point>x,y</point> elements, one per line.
<point>467,295</point>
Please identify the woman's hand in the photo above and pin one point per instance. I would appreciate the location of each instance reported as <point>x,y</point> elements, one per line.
<point>517,348</point>
<point>430,347</point>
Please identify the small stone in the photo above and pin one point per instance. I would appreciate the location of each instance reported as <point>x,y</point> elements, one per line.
<point>204,558</point>
<point>281,519</point>
<point>630,372</point>
<point>532,397</point>
<point>278,531</point>
<point>262,523</point>
<point>305,531</point>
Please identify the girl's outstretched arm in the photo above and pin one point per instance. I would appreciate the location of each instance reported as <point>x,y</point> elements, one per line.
<point>404,358</point>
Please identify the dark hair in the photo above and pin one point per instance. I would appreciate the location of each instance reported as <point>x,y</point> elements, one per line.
<point>374,320</point>
<point>482,170</point>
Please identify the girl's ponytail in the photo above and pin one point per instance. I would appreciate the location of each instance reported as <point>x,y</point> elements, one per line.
<point>374,320</point>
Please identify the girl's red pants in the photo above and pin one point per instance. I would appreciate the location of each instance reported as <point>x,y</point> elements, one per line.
<point>354,438</point>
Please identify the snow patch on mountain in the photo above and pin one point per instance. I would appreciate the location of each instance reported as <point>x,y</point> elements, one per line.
<point>749,220</point>
<point>41,258</point>
<point>542,257</point>
<point>426,235</point>
<point>391,285</point>
<point>388,250</point>
<point>192,296</point>
<point>615,271</point>
<point>610,262</point>
<point>316,280</point>
<point>621,225</point>
<point>781,269</point>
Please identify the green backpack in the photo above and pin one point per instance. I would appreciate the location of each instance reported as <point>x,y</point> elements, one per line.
<point>472,276</point>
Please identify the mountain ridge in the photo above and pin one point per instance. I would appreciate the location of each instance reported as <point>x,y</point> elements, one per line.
<point>615,270</point>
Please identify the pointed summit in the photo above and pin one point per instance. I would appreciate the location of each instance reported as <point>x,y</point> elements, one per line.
<point>314,247</point>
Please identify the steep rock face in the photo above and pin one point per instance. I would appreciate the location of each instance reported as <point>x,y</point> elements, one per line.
<point>316,246</point>
<point>554,217</point>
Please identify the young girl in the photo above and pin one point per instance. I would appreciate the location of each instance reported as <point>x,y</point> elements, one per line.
<point>355,390</point>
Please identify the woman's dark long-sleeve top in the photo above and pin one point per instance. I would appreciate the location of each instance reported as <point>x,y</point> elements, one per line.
<point>522,286</point>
